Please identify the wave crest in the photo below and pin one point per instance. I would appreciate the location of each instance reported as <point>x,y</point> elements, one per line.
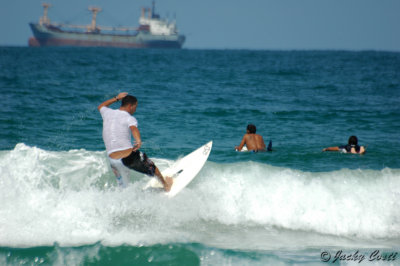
<point>73,195</point>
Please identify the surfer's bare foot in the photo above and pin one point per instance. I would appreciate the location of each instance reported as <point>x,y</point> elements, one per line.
<point>168,183</point>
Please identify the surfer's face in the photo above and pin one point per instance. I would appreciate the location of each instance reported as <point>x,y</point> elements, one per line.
<point>132,108</point>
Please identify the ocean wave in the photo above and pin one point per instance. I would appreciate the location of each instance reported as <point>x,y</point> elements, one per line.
<point>71,197</point>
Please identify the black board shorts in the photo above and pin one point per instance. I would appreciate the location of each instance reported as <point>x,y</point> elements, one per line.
<point>139,161</point>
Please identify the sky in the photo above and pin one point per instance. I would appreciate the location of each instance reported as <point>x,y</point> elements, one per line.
<point>231,24</point>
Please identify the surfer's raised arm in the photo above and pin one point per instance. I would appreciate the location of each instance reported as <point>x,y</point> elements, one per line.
<point>112,100</point>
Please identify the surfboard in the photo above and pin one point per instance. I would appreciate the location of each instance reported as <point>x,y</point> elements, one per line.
<point>183,170</point>
<point>244,149</point>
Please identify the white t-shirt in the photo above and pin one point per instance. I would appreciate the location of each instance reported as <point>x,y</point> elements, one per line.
<point>116,131</point>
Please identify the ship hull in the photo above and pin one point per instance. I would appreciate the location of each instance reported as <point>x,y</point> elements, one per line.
<point>47,36</point>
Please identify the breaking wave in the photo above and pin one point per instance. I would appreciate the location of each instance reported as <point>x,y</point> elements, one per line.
<point>71,198</point>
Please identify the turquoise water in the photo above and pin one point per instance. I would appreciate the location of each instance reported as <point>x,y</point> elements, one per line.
<point>60,203</point>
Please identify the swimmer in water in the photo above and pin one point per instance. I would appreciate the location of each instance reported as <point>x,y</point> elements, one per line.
<point>351,147</point>
<point>254,142</point>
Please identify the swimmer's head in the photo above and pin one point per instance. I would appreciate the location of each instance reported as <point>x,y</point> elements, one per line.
<point>251,129</point>
<point>353,140</point>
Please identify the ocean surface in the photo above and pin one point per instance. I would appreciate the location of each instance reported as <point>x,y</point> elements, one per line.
<point>296,205</point>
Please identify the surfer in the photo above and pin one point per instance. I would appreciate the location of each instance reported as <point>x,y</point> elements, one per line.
<point>351,147</point>
<point>118,126</point>
<point>254,142</point>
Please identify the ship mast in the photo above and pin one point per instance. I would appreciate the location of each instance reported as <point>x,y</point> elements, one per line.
<point>94,10</point>
<point>45,19</point>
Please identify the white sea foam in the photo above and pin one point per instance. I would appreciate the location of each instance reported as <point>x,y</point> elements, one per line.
<point>72,198</point>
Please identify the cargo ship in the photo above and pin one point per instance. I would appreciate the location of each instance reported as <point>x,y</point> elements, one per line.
<point>152,32</point>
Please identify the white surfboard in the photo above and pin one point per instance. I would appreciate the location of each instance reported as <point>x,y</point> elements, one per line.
<point>184,170</point>
<point>244,149</point>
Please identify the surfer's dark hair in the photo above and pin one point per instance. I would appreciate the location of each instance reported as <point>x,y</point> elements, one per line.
<point>128,99</point>
<point>353,140</point>
<point>251,128</point>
